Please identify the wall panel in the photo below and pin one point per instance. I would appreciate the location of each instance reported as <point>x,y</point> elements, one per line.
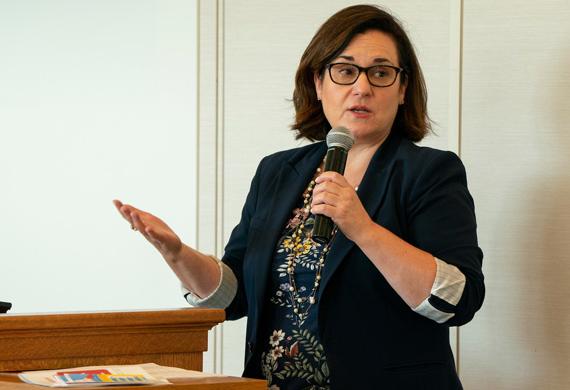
<point>97,101</point>
<point>515,145</point>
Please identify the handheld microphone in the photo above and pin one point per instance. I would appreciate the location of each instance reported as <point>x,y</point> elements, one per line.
<point>339,142</point>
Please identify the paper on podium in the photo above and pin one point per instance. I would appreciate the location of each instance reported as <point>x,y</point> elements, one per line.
<point>174,372</point>
<point>142,374</point>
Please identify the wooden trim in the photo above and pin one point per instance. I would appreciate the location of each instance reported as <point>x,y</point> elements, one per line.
<point>48,341</point>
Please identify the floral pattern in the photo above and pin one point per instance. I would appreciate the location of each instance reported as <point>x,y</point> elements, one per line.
<point>294,357</point>
<point>304,359</point>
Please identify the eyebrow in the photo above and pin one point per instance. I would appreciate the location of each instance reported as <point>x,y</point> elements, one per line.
<point>378,60</point>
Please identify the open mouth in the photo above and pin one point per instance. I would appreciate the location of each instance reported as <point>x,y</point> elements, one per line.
<point>359,109</point>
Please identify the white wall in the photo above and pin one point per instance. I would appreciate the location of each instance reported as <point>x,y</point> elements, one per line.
<point>515,144</point>
<point>97,101</point>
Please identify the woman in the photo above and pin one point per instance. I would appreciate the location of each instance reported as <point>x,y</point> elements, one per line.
<point>371,307</point>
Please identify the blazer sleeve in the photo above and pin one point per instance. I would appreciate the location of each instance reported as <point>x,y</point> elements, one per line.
<point>441,217</point>
<point>236,247</point>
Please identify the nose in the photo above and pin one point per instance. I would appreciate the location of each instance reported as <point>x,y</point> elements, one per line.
<point>362,86</point>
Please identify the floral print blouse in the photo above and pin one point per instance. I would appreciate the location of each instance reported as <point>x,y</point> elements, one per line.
<point>294,357</point>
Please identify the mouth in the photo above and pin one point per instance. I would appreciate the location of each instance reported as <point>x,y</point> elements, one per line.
<point>359,109</point>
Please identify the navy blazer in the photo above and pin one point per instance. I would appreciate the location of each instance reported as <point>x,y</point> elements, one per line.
<point>371,337</point>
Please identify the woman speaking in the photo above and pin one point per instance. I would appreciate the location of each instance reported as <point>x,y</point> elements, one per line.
<point>369,306</point>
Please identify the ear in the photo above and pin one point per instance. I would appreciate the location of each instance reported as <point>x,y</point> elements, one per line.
<point>318,85</point>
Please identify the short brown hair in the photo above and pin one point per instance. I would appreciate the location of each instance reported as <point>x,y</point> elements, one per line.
<point>331,39</point>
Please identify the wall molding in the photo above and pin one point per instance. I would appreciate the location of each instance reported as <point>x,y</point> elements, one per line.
<point>210,147</point>
<point>455,113</point>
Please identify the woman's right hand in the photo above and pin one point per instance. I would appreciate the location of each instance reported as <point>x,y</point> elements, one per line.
<point>197,272</point>
<point>153,229</point>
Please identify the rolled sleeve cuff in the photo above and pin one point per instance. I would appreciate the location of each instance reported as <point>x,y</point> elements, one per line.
<point>222,296</point>
<point>446,292</point>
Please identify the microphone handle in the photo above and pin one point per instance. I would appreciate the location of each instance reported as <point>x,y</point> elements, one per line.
<point>335,161</point>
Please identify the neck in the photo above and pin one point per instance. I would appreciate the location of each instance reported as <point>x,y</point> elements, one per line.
<point>359,157</point>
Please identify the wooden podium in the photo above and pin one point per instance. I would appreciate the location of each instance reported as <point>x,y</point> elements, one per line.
<point>175,338</point>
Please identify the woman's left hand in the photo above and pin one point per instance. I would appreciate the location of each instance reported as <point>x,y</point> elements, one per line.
<point>334,197</point>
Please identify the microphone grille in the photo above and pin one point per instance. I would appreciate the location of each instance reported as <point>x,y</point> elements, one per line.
<point>340,137</point>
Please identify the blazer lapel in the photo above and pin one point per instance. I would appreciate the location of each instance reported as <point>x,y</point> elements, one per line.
<point>286,190</point>
<point>371,192</point>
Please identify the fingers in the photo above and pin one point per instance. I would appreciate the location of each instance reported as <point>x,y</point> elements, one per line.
<point>119,206</point>
<point>334,177</point>
<point>325,196</point>
<point>327,199</point>
<point>324,209</point>
<point>153,229</point>
<point>333,196</point>
<point>330,188</point>
<point>126,212</point>
<point>146,230</point>
<point>331,182</point>
<point>137,223</point>
<point>336,198</point>
<point>327,187</point>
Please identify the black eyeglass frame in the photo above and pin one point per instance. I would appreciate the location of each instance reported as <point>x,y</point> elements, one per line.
<point>365,70</point>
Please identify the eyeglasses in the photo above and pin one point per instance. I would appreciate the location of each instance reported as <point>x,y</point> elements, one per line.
<point>378,75</point>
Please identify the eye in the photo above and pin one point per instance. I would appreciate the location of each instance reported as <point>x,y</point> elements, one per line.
<point>346,70</point>
<point>380,72</point>
<point>343,73</point>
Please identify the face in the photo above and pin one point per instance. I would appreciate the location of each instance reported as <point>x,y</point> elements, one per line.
<point>367,111</point>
